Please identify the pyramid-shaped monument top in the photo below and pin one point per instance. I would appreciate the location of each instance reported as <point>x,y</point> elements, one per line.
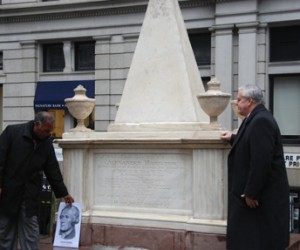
<point>163,80</point>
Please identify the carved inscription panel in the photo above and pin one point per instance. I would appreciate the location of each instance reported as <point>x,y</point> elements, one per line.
<point>143,180</point>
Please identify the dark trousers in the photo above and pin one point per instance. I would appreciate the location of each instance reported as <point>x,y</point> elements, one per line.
<point>20,227</point>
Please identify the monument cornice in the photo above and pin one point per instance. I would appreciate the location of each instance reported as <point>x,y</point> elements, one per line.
<point>182,140</point>
<point>47,12</point>
<point>144,144</point>
<point>38,17</point>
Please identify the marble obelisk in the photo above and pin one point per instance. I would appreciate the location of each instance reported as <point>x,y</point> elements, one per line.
<point>163,80</point>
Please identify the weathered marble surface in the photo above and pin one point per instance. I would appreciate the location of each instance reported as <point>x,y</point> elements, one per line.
<point>163,79</point>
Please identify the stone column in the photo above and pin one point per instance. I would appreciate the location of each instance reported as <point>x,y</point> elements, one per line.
<point>262,58</point>
<point>68,56</point>
<point>22,81</point>
<point>102,82</point>
<point>223,47</point>
<point>247,53</point>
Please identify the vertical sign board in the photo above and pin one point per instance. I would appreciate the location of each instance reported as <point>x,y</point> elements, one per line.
<point>68,225</point>
<point>292,160</point>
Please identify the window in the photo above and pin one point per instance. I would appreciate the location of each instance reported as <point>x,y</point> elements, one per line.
<point>1,107</point>
<point>201,44</point>
<point>53,57</point>
<point>1,60</point>
<point>79,56</point>
<point>205,80</point>
<point>84,56</point>
<point>285,104</point>
<point>284,43</point>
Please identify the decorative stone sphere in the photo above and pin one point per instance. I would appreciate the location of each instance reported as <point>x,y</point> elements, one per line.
<point>213,102</point>
<point>80,107</point>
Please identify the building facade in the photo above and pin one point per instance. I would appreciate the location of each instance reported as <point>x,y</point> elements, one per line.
<point>49,47</point>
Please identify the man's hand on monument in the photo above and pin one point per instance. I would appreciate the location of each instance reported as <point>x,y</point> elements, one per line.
<point>225,135</point>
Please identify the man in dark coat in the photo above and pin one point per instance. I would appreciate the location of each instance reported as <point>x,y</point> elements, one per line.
<point>258,190</point>
<point>25,151</point>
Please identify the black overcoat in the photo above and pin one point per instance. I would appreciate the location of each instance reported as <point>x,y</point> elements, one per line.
<point>256,168</point>
<point>22,161</point>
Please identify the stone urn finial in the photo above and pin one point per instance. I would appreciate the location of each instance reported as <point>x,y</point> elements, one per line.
<point>214,102</point>
<point>80,107</point>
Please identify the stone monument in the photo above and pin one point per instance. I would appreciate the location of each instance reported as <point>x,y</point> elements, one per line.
<point>157,178</point>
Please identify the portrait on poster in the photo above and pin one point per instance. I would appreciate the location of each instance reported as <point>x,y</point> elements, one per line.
<point>67,233</point>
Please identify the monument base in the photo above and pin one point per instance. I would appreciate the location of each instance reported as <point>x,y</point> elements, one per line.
<point>157,238</point>
<point>158,189</point>
<point>143,238</point>
<point>149,238</point>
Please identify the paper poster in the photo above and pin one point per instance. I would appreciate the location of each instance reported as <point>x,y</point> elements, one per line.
<point>68,224</point>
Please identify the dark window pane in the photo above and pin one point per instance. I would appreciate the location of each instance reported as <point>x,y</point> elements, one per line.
<point>1,60</point>
<point>201,44</point>
<point>285,44</point>
<point>205,80</point>
<point>84,56</point>
<point>53,57</point>
<point>285,103</point>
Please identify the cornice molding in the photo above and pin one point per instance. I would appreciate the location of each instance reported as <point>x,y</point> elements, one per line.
<point>70,15</point>
<point>199,3</point>
<point>38,13</point>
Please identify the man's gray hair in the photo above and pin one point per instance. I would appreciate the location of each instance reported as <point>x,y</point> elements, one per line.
<point>253,92</point>
<point>44,117</point>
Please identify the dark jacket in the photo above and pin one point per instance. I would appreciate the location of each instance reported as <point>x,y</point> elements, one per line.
<point>256,168</point>
<point>21,164</point>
